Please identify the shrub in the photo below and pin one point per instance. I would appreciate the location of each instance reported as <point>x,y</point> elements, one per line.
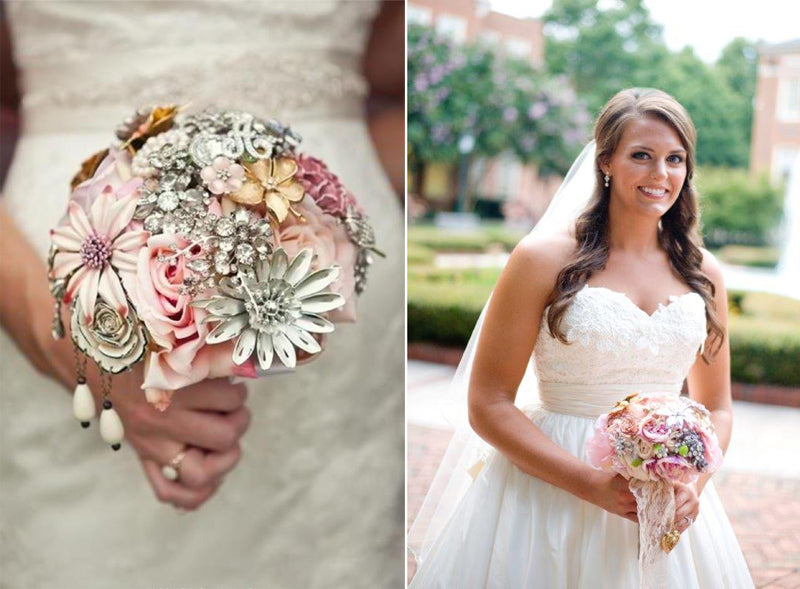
<point>736,208</point>
<point>444,305</point>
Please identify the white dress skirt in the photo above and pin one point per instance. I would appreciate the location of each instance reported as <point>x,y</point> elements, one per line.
<point>514,531</point>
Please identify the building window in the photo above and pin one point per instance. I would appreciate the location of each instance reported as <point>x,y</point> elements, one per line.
<point>782,162</point>
<point>491,38</point>
<point>419,15</point>
<point>518,47</point>
<point>789,99</point>
<point>452,26</point>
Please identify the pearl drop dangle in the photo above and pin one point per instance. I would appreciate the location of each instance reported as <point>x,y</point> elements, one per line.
<point>111,429</point>
<point>83,403</point>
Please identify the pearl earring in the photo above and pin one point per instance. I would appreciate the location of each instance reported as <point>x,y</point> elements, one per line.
<point>607,178</point>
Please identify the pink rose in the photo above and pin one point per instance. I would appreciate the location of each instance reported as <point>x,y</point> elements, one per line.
<point>174,325</point>
<point>646,471</point>
<point>675,468</point>
<point>324,186</point>
<point>654,429</point>
<point>625,423</point>
<point>328,239</point>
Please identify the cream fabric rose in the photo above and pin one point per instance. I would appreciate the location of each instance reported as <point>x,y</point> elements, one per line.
<point>113,341</point>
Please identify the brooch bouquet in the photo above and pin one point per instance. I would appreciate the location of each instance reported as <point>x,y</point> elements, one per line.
<point>652,441</point>
<point>198,242</point>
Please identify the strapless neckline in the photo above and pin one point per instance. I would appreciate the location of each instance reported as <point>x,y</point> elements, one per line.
<point>627,299</point>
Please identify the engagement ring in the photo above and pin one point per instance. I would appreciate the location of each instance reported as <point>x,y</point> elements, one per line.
<point>172,470</point>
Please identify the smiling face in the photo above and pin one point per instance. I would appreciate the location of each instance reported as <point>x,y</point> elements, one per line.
<point>648,167</point>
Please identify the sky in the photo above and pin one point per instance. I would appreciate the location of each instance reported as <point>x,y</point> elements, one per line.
<point>706,25</point>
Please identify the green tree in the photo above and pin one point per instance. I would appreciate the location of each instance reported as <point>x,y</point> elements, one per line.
<point>602,50</point>
<point>455,91</point>
<point>738,66</point>
<point>605,47</point>
<point>714,107</point>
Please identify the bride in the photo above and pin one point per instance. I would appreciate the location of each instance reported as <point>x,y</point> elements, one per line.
<point>620,299</point>
<point>316,497</point>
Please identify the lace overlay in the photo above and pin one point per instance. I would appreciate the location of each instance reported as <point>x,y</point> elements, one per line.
<point>612,341</point>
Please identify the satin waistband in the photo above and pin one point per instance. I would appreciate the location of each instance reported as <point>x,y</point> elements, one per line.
<point>592,400</point>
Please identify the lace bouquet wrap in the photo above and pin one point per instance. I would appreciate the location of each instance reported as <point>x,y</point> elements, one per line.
<point>652,441</point>
<point>204,245</point>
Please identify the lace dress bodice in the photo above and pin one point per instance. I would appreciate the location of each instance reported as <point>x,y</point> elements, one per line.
<point>617,348</point>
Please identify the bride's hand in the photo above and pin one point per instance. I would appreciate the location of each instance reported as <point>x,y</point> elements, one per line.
<point>687,504</point>
<point>209,418</point>
<point>610,491</point>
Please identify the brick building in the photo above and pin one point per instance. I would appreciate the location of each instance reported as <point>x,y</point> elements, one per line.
<point>776,116</point>
<point>470,20</point>
<point>502,178</point>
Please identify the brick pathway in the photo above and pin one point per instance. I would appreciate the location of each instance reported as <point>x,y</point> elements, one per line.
<point>764,511</point>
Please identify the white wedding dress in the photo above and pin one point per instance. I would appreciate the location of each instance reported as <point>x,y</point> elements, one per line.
<point>317,499</point>
<point>514,531</point>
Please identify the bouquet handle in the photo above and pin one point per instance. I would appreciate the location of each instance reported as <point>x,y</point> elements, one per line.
<point>655,507</point>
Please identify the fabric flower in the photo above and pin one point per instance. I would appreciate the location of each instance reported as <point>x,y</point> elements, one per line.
<point>113,170</point>
<point>328,239</point>
<point>93,248</point>
<point>277,312</point>
<point>273,182</point>
<point>113,340</point>
<point>223,176</point>
<point>600,448</point>
<point>713,452</point>
<point>324,186</point>
<point>675,468</point>
<point>654,428</point>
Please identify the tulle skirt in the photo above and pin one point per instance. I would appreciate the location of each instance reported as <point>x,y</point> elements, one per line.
<point>514,531</point>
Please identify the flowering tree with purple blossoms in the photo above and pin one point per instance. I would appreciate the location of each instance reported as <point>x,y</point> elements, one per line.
<point>504,104</point>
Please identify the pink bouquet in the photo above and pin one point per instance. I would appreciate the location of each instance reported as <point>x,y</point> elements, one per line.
<point>203,245</point>
<point>652,441</point>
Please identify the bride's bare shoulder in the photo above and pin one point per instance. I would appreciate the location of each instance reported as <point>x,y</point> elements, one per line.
<point>545,254</point>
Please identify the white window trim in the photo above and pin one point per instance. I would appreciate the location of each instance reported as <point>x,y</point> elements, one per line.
<point>786,115</point>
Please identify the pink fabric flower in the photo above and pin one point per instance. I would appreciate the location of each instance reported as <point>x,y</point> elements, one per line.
<point>94,248</point>
<point>324,186</point>
<point>223,176</point>
<point>174,325</point>
<point>328,239</point>
<point>600,447</point>
<point>113,171</point>
<point>675,468</point>
<point>654,429</point>
<point>713,452</point>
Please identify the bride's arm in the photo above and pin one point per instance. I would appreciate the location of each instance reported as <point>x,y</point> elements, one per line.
<point>710,384</point>
<point>384,68</point>
<point>506,343</point>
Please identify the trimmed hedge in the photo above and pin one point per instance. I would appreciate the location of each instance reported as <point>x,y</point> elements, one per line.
<point>763,349</point>
<point>477,240</point>
<point>753,256</point>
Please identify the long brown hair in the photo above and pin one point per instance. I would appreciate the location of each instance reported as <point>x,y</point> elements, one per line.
<point>679,234</point>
